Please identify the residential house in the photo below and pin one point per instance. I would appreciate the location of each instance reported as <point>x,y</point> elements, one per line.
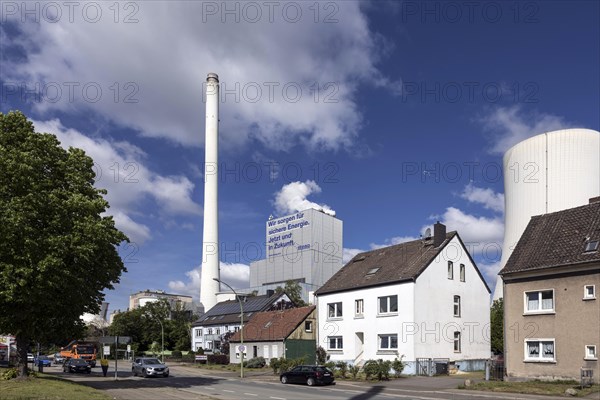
<point>423,299</point>
<point>287,333</point>
<point>208,331</point>
<point>551,306</point>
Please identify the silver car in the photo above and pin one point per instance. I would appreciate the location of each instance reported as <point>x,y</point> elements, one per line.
<point>149,367</point>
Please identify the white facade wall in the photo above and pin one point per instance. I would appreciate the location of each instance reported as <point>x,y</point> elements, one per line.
<point>350,326</point>
<point>267,350</point>
<point>550,172</point>
<point>435,322</point>
<point>201,339</point>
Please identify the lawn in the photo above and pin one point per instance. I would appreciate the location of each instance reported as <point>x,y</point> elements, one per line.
<point>47,387</point>
<point>533,387</point>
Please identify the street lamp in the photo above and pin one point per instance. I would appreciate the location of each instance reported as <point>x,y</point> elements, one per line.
<point>241,328</point>
<point>162,334</point>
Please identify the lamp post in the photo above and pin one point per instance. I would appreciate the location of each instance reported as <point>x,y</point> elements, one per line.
<point>241,324</point>
<point>162,334</point>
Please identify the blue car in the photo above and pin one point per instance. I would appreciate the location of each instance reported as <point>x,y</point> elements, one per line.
<point>46,362</point>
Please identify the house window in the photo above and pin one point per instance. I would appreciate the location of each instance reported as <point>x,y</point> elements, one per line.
<point>462,272</point>
<point>387,342</point>
<point>198,332</point>
<point>589,292</point>
<point>450,270</point>
<point>539,350</point>
<point>236,329</point>
<point>590,352</point>
<point>209,331</point>
<point>457,306</point>
<point>218,331</point>
<point>335,342</point>
<point>457,342</point>
<point>591,245</point>
<point>388,304</point>
<point>359,307</point>
<point>539,301</point>
<point>308,326</point>
<point>335,310</point>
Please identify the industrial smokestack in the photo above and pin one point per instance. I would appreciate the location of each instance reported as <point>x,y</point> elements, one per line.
<point>210,240</point>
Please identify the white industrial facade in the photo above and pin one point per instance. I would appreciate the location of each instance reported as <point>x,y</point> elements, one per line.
<point>437,316</point>
<point>305,246</point>
<point>550,172</point>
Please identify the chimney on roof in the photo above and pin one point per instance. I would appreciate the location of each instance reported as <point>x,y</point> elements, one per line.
<point>270,293</point>
<point>439,234</point>
<point>595,200</point>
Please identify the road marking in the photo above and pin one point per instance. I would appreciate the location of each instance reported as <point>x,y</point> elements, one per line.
<point>278,398</point>
<point>229,391</point>
<point>250,394</point>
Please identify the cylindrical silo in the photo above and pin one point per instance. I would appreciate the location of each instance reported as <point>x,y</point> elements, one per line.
<point>546,173</point>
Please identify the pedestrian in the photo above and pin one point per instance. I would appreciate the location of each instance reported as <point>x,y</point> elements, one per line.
<point>104,365</point>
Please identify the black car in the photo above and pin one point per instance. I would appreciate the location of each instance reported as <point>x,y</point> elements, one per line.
<point>309,374</point>
<point>76,365</point>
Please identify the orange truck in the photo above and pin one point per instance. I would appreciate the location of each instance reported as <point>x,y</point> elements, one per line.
<point>78,349</point>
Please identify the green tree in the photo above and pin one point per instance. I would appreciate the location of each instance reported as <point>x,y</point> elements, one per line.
<point>57,250</point>
<point>293,290</point>
<point>497,326</point>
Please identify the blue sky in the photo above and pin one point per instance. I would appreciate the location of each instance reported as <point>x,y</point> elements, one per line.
<point>393,114</point>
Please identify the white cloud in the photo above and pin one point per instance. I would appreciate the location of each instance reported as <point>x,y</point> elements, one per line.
<point>120,168</point>
<point>235,274</point>
<point>510,125</point>
<point>164,74</point>
<point>487,197</point>
<point>348,254</point>
<point>292,198</point>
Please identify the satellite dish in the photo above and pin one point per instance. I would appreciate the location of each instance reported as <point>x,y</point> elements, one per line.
<point>427,233</point>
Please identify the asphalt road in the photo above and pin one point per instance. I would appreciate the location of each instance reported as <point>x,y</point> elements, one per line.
<point>192,383</point>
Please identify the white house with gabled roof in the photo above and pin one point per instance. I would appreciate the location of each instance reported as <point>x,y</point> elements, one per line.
<point>424,299</point>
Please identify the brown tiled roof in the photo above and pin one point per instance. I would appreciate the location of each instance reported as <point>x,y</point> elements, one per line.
<point>401,262</point>
<point>273,325</point>
<point>556,239</point>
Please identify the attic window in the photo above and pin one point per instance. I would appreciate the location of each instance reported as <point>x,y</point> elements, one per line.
<point>372,271</point>
<point>268,324</point>
<point>360,258</point>
<point>591,245</point>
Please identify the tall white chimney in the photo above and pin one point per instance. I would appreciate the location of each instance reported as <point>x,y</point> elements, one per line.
<point>210,240</point>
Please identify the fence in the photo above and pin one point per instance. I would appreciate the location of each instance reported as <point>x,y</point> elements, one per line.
<point>433,366</point>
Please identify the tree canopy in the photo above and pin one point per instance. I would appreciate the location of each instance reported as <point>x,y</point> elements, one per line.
<point>497,326</point>
<point>293,290</point>
<point>58,251</point>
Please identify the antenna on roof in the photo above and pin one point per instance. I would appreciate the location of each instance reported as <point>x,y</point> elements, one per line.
<point>428,233</point>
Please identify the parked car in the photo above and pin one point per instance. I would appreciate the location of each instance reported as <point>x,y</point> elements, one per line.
<point>149,367</point>
<point>309,374</point>
<point>45,360</point>
<point>76,365</point>
<point>58,359</point>
<point>30,357</point>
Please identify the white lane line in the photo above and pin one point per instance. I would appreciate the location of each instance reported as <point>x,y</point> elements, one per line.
<point>228,391</point>
<point>250,394</point>
<point>277,398</point>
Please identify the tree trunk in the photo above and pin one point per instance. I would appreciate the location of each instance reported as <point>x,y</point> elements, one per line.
<point>22,346</point>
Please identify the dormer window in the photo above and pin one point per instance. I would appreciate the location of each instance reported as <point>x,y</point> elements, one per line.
<point>372,271</point>
<point>591,245</point>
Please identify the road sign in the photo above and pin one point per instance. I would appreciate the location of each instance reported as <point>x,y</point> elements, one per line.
<point>200,357</point>
<point>129,348</point>
<point>106,350</point>
<point>242,348</point>
<point>112,339</point>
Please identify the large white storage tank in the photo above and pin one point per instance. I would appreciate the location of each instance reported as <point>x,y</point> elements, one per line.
<point>546,173</point>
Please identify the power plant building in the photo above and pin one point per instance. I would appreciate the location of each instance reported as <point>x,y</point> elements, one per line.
<point>550,172</point>
<point>305,247</point>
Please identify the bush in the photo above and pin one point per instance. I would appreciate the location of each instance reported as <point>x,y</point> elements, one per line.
<point>342,367</point>
<point>282,364</point>
<point>220,359</point>
<point>354,370</point>
<point>200,351</point>
<point>398,366</point>
<point>274,363</point>
<point>322,356</point>
<point>257,362</point>
<point>378,368</point>
<point>176,354</point>
<point>10,373</point>
<point>330,365</point>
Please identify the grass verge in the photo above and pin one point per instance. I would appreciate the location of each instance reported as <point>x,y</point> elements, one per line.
<point>533,387</point>
<point>47,387</point>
